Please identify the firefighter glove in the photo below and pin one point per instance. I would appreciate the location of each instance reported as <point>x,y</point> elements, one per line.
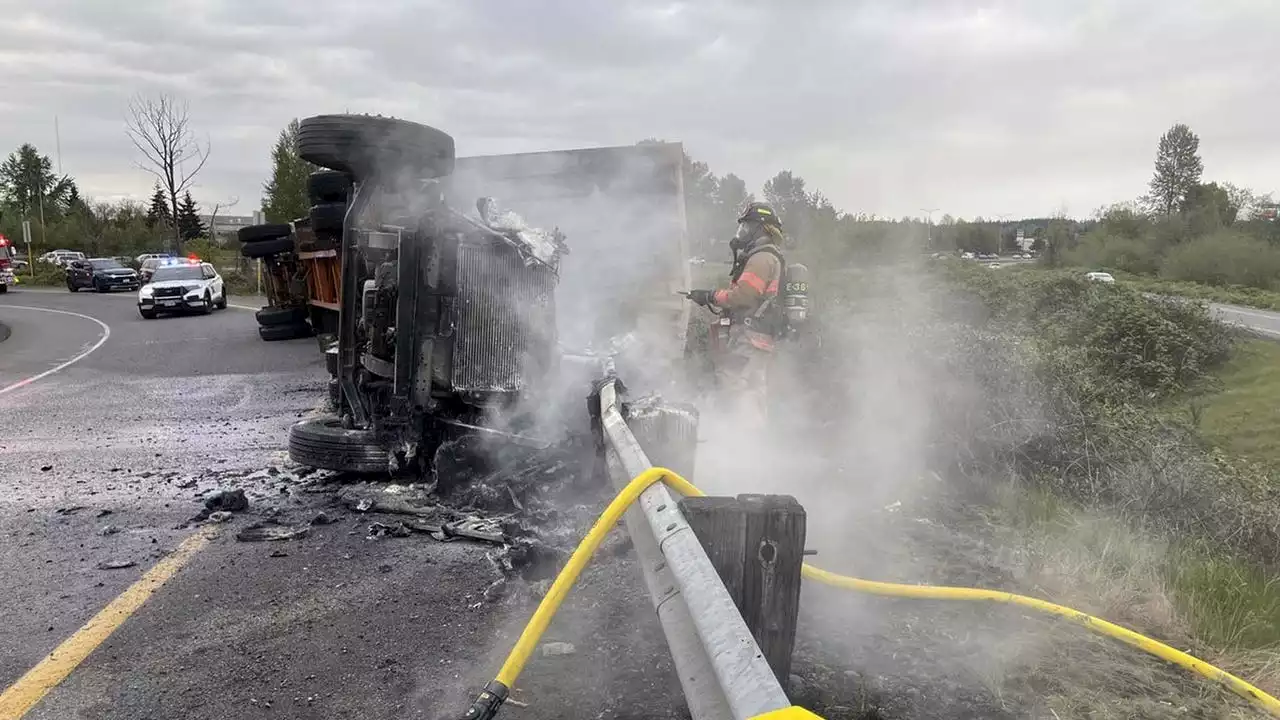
<point>705,298</point>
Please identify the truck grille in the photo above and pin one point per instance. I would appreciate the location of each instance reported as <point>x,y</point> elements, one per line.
<point>505,332</point>
<point>167,292</point>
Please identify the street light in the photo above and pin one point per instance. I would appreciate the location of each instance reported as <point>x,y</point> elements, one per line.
<point>929,227</point>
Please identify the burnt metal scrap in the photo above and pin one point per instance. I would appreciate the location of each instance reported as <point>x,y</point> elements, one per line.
<point>533,243</point>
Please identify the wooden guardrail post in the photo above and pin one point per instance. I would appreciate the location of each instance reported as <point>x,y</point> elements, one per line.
<point>756,543</point>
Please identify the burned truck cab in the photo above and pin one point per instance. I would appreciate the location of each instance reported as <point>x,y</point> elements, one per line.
<point>446,319</point>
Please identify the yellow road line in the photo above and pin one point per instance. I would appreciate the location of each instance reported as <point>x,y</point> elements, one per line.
<point>20,697</point>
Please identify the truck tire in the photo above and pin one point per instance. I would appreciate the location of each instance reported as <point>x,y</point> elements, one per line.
<point>323,443</point>
<point>328,217</point>
<point>258,233</point>
<point>267,248</point>
<point>328,186</point>
<point>292,331</point>
<point>364,145</point>
<point>271,316</point>
<point>3,288</point>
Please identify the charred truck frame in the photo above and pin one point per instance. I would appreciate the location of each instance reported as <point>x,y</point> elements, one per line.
<point>446,320</point>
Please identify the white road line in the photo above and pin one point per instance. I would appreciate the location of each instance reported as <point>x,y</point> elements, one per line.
<point>106,333</point>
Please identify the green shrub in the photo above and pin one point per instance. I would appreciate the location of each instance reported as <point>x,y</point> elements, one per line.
<point>1126,345</point>
<point>239,282</point>
<point>1224,258</point>
<point>1093,373</point>
<point>41,273</point>
<point>1102,249</point>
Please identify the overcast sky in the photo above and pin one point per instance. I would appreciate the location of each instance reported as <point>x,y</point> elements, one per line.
<point>887,106</point>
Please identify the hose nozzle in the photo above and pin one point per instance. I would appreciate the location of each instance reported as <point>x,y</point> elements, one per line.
<point>486,705</point>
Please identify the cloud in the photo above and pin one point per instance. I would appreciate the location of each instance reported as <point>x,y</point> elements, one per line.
<point>977,108</point>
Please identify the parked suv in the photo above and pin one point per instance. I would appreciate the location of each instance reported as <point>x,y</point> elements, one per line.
<point>101,274</point>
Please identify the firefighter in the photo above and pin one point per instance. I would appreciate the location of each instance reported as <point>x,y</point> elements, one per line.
<point>756,319</point>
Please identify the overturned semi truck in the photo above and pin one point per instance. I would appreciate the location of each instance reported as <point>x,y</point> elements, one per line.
<point>471,296</point>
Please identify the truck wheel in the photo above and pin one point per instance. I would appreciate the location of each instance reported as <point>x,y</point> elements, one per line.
<point>328,217</point>
<point>328,186</point>
<point>222,299</point>
<point>4,288</point>
<point>72,286</point>
<point>272,316</point>
<point>258,233</point>
<point>267,248</point>
<point>323,443</point>
<point>363,145</point>
<point>292,331</point>
<point>147,314</point>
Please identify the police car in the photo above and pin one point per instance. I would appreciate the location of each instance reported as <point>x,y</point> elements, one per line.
<point>181,285</point>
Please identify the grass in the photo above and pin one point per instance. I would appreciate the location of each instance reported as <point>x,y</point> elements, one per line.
<point>1223,609</point>
<point>1243,418</point>
<point>1230,605</point>
<point>1229,294</point>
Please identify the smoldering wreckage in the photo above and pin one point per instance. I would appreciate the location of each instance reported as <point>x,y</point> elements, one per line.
<point>455,409</point>
<point>459,398</point>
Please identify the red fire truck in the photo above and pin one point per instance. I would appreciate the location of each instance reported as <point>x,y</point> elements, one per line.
<point>7,254</point>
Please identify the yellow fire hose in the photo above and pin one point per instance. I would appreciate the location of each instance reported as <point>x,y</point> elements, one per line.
<point>495,693</point>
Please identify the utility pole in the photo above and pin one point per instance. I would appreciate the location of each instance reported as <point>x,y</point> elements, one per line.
<point>1000,230</point>
<point>929,226</point>
<point>40,199</point>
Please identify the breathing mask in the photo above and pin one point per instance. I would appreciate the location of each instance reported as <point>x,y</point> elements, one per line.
<point>742,240</point>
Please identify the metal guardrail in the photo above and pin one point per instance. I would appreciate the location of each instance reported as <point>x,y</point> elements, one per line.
<point>724,674</point>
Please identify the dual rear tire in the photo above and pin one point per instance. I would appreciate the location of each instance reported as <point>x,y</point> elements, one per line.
<point>283,323</point>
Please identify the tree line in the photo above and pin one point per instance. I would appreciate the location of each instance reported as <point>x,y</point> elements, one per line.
<point>1183,228</point>
<point>60,217</point>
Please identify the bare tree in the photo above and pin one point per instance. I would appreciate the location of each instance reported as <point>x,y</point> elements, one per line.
<point>213,216</point>
<point>160,129</point>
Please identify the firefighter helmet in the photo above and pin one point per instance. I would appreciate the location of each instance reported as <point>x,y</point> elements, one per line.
<point>762,213</point>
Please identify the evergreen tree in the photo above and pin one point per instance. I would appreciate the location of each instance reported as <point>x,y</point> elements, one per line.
<point>189,225</point>
<point>159,213</point>
<point>1178,169</point>
<point>285,196</point>
<point>73,201</point>
<point>28,183</point>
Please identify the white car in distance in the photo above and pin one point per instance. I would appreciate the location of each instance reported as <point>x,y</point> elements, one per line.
<point>1101,277</point>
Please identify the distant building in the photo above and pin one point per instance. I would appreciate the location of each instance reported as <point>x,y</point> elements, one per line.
<point>228,225</point>
<point>1025,242</point>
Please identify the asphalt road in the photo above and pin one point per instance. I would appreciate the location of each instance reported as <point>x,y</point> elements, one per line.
<point>1263,322</point>
<point>113,428</point>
